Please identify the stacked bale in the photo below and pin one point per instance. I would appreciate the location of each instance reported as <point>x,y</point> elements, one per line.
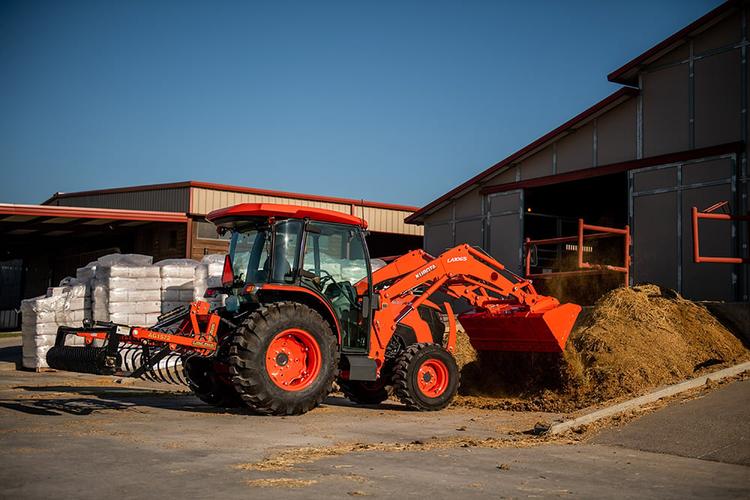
<point>208,275</point>
<point>177,282</point>
<point>42,316</point>
<point>126,290</point>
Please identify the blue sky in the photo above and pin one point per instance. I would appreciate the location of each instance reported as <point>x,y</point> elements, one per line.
<point>394,101</point>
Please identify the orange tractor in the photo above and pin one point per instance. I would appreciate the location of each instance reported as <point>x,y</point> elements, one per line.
<point>305,309</point>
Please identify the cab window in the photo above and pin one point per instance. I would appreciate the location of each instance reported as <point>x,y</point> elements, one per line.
<point>333,263</point>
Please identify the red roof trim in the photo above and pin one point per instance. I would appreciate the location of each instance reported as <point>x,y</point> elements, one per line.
<point>620,75</point>
<point>279,210</point>
<point>614,98</point>
<point>614,168</point>
<point>90,213</point>
<point>236,189</point>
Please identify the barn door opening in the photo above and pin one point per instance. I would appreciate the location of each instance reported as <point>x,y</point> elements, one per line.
<point>552,222</point>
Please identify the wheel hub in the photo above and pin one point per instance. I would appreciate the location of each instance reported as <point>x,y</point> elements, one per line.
<point>433,377</point>
<point>282,359</point>
<point>293,359</point>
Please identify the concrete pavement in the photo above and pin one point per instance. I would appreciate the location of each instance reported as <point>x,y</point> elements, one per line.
<point>81,436</point>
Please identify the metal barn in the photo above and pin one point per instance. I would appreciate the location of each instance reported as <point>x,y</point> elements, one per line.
<point>627,173</point>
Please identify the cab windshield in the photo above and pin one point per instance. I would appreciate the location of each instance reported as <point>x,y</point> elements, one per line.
<point>253,260</point>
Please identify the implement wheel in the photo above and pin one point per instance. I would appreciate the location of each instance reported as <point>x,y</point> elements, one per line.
<point>283,359</point>
<point>208,386</point>
<point>365,393</point>
<point>425,377</point>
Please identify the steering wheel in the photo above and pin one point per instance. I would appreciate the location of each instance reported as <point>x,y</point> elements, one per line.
<point>318,281</point>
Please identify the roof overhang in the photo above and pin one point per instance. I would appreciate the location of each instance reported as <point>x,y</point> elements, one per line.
<point>44,220</point>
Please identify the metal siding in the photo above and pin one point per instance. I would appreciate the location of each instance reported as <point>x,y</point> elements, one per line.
<point>655,179</point>
<point>378,219</point>
<point>679,54</point>
<point>437,238</point>
<point>469,231</point>
<point>504,177</point>
<point>501,203</point>
<point>707,171</point>
<point>442,215</point>
<point>537,165</point>
<point>717,99</point>
<point>160,200</point>
<point>722,34</point>
<point>616,134</point>
<point>574,151</point>
<point>469,205</point>
<point>505,239</point>
<point>707,281</point>
<point>665,113</point>
<point>655,239</point>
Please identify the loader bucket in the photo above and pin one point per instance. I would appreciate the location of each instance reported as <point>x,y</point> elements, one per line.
<point>520,331</point>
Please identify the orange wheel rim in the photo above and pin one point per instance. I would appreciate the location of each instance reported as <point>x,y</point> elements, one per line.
<point>432,378</point>
<point>293,359</point>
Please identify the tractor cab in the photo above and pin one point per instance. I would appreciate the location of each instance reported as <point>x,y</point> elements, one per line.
<point>282,248</point>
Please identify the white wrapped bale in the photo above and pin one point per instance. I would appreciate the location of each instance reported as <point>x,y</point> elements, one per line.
<point>42,316</point>
<point>126,287</point>
<point>87,273</point>
<point>208,275</point>
<point>125,259</point>
<point>177,282</point>
<point>170,306</point>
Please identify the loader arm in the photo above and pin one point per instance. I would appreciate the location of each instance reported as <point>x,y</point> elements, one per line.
<point>508,312</point>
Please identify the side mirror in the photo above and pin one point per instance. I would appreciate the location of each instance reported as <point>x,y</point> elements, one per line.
<point>227,275</point>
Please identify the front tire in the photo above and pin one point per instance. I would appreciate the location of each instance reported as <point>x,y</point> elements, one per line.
<point>426,377</point>
<point>283,359</point>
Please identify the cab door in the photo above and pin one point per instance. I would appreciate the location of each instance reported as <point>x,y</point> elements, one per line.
<point>334,260</point>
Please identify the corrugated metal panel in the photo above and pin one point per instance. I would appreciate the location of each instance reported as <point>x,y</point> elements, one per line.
<point>538,165</point>
<point>616,134</point>
<point>727,32</point>
<point>378,219</point>
<point>162,200</point>
<point>717,99</point>
<point>665,113</point>
<point>575,151</point>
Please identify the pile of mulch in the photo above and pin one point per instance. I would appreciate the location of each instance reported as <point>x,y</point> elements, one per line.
<point>633,340</point>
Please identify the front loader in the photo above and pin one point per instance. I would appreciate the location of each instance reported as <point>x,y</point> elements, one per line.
<point>304,309</point>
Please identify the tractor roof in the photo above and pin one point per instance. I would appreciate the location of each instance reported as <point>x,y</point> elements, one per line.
<point>247,210</point>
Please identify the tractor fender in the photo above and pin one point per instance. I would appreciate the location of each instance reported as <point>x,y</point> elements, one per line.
<point>275,293</point>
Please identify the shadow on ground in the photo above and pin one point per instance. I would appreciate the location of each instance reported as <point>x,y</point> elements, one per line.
<point>121,398</point>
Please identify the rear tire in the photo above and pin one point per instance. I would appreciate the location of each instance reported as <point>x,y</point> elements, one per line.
<point>283,359</point>
<point>364,392</point>
<point>208,386</point>
<point>426,377</point>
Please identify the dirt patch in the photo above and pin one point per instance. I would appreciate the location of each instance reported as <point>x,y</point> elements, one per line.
<point>282,482</point>
<point>287,459</point>
<point>633,340</point>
